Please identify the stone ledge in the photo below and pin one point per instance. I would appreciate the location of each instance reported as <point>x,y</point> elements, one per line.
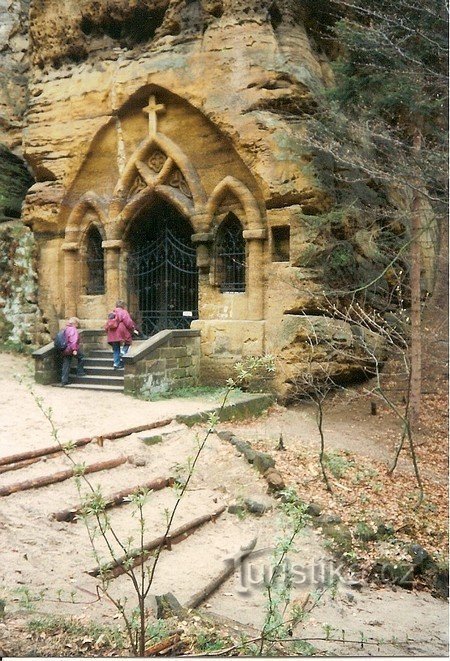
<point>259,234</point>
<point>249,406</point>
<point>202,237</point>
<point>44,351</point>
<point>116,244</point>
<point>160,339</point>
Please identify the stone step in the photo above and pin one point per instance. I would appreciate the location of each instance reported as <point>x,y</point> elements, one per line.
<point>93,386</point>
<point>100,353</point>
<point>99,362</point>
<point>103,370</point>
<point>112,379</point>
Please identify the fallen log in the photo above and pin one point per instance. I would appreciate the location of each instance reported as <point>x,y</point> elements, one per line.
<point>233,564</point>
<point>163,645</point>
<point>135,430</point>
<point>42,452</point>
<point>19,464</point>
<point>139,556</point>
<point>115,499</point>
<point>45,480</point>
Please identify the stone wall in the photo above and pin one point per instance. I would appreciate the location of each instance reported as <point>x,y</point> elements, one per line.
<point>169,360</point>
<point>21,321</point>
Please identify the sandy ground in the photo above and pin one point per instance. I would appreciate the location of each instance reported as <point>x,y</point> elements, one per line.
<point>40,555</point>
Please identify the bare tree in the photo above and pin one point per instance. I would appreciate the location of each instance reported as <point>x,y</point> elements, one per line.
<point>383,122</point>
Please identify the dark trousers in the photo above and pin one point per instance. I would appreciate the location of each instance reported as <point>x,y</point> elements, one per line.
<point>67,360</point>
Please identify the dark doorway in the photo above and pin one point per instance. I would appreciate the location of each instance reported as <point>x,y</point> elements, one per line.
<point>162,272</point>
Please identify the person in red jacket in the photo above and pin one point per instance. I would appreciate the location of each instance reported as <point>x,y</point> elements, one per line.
<point>119,328</point>
<point>72,349</point>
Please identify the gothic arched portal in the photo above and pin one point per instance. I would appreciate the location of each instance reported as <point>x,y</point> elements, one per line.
<point>162,277</point>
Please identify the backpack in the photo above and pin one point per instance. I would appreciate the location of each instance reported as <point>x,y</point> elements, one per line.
<point>112,322</point>
<point>60,340</point>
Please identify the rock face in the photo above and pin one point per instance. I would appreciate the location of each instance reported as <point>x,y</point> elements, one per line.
<point>21,320</point>
<point>14,69</point>
<point>141,110</point>
<point>14,183</point>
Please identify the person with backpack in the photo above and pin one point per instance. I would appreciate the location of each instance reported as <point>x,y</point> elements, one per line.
<point>119,328</point>
<point>71,339</point>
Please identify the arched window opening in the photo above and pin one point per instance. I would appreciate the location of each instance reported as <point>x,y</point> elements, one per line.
<point>230,255</point>
<point>95,262</point>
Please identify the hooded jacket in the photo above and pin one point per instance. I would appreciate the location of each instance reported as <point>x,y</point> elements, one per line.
<point>125,326</point>
<point>72,339</point>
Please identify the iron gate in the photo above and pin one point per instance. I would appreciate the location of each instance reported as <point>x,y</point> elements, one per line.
<point>163,283</point>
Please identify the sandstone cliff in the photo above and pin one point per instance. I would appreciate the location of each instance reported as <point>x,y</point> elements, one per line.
<point>238,80</point>
<point>14,70</point>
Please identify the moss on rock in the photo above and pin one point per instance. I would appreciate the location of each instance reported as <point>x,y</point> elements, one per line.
<point>21,321</point>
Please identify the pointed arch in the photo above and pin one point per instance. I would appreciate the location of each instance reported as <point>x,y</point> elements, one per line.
<point>243,195</point>
<point>77,223</point>
<point>159,162</point>
<point>145,198</point>
<point>230,255</point>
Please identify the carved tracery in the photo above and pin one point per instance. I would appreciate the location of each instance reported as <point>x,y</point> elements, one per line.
<point>137,186</point>
<point>159,164</point>
<point>156,161</point>
<point>176,180</point>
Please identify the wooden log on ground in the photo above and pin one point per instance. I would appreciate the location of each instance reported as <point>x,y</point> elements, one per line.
<point>136,430</point>
<point>45,480</point>
<point>19,464</point>
<point>163,645</point>
<point>203,594</point>
<point>42,452</point>
<point>115,499</point>
<point>139,556</point>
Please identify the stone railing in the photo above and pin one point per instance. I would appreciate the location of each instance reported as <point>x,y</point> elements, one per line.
<point>168,360</point>
<point>47,365</point>
<point>48,362</point>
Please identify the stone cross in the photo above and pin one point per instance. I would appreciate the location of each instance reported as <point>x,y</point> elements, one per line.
<point>152,111</point>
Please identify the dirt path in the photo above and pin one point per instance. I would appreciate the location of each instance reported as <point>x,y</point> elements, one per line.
<point>76,413</point>
<point>41,555</point>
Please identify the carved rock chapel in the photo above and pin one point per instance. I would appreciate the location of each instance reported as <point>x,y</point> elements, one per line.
<point>167,143</point>
<point>180,239</point>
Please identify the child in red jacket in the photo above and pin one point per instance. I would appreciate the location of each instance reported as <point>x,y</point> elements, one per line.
<point>119,329</point>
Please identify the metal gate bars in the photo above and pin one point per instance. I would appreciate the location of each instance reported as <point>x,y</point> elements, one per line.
<point>163,282</point>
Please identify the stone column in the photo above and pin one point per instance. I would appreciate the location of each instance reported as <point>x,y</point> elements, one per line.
<point>71,255</point>
<point>112,250</point>
<point>255,267</point>
<point>202,241</point>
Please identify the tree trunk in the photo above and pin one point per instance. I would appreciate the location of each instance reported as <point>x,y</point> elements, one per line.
<point>18,465</point>
<point>45,480</point>
<point>163,645</point>
<point>139,556</point>
<point>70,513</point>
<point>203,594</point>
<point>415,282</point>
<point>43,452</point>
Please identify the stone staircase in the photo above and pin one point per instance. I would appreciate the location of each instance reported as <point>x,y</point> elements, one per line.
<point>100,374</point>
<point>168,360</point>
